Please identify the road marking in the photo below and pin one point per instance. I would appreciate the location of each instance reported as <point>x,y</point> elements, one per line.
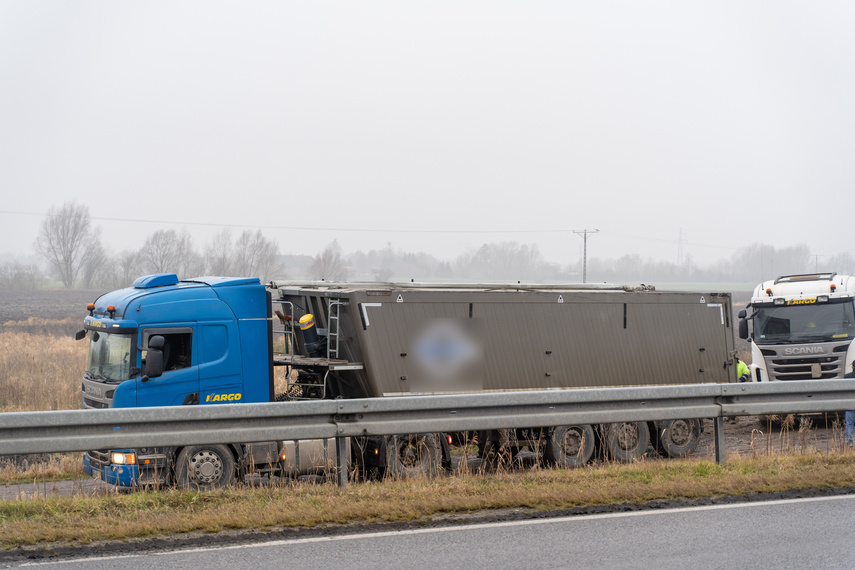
<point>455,528</point>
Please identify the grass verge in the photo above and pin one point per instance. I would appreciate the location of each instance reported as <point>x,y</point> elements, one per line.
<point>41,468</point>
<point>151,514</point>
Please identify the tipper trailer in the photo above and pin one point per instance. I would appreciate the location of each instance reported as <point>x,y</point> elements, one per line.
<point>216,340</point>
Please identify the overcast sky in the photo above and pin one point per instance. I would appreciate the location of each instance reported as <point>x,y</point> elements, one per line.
<point>435,126</point>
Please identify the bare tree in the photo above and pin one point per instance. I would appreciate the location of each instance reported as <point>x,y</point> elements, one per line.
<point>92,267</point>
<point>843,263</point>
<point>162,252</point>
<point>506,261</point>
<point>121,270</point>
<point>192,263</point>
<point>219,254</point>
<point>256,256</point>
<point>759,262</point>
<point>327,265</point>
<point>64,238</point>
<point>15,276</point>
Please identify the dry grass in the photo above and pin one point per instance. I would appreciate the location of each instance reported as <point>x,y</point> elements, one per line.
<point>41,468</point>
<point>40,372</point>
<point>45,327</point>
<point>148,514</point>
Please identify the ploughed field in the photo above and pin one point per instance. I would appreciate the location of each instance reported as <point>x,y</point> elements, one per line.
<point>55,312</point>
<point>54,304</point>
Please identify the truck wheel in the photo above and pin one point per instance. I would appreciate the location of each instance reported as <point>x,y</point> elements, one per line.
<point>627,441</point>
<point>678,438</point>
<point>570,446</point>
<point>495,450</point>
<point>412,455</point>
<point>205,467</point>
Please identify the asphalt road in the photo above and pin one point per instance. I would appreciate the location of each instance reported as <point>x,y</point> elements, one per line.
<point>797,533</point>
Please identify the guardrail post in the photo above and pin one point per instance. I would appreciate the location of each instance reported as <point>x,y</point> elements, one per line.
<point>341,461</point>
<point>719,439</point>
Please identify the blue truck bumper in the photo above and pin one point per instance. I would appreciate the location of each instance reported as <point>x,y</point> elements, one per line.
<point>119,475</point>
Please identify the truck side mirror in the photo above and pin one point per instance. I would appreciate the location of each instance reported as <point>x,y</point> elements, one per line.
<point>80,335</point>
<point>742,314</point>
<point>743,328</point>
<point>153,358</point>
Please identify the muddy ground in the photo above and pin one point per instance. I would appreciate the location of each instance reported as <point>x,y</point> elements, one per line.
<point>58,304</point>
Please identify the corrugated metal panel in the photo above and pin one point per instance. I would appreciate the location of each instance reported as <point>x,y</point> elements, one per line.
<point>535,339</point>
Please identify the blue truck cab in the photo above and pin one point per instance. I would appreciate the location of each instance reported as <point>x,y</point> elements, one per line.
<point>165,342</point>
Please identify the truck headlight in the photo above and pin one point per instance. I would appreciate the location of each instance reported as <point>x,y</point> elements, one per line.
<point>124,458</point>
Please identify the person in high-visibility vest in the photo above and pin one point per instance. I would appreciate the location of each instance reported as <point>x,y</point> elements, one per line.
<point>743,372</point>
<point>849,417</point>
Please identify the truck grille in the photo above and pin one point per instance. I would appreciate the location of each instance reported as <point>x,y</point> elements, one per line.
<point>90,403</point>
<point>803,368</point>
<point>829,363</point>
<point>96,395</point>
<point>98,459</point>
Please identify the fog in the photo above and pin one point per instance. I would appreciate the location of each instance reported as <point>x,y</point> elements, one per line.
<point>678,130</point>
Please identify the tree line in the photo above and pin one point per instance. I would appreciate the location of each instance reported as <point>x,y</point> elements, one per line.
<point>76,257</point>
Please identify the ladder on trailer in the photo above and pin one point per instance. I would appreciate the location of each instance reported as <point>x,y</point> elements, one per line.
<point>311,386</point>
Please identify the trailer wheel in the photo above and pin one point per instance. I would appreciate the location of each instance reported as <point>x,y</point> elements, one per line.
<point>678,438</point>
<point>205,467</point>
<point>570,446</point>
<point>627,441</point>
<point>412,455</point>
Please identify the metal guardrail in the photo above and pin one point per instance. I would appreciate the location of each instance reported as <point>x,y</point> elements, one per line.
<point>80,430</point>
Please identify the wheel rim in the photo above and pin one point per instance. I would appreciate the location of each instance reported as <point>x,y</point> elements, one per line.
<point>573,442</point>
<point>409,453</point>
<point>627,436</point>
<point>680,433</point>
<point>206,467</point>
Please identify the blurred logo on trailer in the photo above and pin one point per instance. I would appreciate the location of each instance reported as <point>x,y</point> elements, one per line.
<point>448,356</point>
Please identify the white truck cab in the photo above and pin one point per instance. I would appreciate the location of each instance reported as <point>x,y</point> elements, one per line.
<point>802,327</point>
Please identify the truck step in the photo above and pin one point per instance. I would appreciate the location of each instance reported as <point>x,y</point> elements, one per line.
<point>310,362</point>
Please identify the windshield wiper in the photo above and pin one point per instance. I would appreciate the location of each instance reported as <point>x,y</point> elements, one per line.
<point>100,377</point>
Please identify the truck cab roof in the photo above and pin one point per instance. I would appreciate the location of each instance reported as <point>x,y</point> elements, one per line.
<point>166,288</point>
<point>805,286</point>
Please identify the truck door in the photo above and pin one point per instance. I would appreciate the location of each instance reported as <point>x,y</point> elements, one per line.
<point>179,383</point>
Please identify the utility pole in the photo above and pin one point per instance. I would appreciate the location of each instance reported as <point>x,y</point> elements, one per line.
<point>584,234</point>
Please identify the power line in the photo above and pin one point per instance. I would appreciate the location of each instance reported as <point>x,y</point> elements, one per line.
<point>303,228</point>
<point>372,230</point>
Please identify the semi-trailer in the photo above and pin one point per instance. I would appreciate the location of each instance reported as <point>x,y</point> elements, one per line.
<point>218,340</point>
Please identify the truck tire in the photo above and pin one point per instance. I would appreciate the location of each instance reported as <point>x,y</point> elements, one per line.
<point>677,438</point>
<point>627,441</point>
<point>570,446</point>
<point>495,450</point>
<point>205,467</point>
<point>412,455</point>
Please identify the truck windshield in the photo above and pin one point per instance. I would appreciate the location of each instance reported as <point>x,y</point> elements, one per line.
<point>804,323</point>
<point>109,356</point>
